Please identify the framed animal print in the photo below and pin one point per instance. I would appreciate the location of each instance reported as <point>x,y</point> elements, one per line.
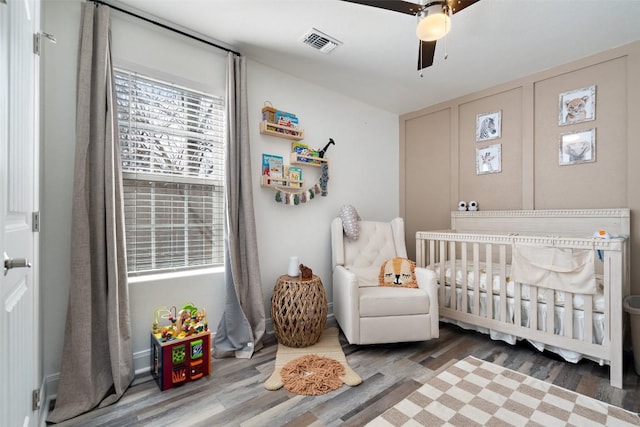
<point>488,126</point>
<point>578,147</point>
<point>577,106</point>
<point>488,159</point>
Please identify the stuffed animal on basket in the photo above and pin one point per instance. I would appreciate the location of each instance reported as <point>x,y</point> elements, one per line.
<point>305,272</point>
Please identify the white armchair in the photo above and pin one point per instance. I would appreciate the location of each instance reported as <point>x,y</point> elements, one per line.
<point>372,314</point>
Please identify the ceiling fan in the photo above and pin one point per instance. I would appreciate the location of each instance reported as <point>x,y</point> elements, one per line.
<point>434,20</point>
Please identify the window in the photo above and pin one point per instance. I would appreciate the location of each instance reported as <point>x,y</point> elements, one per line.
<point>171,146</point>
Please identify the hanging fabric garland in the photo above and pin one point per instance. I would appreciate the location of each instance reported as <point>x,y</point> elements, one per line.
<point>300,196</point>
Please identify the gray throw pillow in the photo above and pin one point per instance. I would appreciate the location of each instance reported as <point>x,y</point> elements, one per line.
<point>350,219</point>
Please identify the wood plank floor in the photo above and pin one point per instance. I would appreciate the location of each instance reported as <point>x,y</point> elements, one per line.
<point>234,394</point>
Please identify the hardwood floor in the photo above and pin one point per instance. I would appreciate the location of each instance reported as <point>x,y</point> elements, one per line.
<point>234,394</point>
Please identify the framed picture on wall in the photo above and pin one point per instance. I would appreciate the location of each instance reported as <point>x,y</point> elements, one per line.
<point>488,126</point>
<point>488,159</point>
<point>578,147</point>
<point>577,106</point>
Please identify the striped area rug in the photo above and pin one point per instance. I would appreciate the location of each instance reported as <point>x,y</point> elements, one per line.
<point>473,392</point>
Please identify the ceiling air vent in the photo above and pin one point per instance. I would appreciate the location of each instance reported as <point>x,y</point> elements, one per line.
<point>319,40</point>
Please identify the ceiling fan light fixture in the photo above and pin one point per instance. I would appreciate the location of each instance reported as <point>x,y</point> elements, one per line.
<point>436,24</point>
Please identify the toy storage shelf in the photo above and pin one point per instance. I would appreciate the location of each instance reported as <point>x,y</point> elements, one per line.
<point>299,159</point>
<point>285,183</point>
<point>274,129</point>
<point>179,361</point>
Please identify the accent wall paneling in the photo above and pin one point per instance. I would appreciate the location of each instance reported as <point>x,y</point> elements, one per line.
<point>500,190</point>
<point>531,175</point>
<point>602,183</point>
<point>426,168</point>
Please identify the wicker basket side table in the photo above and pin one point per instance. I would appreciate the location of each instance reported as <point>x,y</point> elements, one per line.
<point>298,310</point>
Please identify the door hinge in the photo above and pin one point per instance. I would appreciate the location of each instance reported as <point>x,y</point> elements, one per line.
<point>35,400</point>
<point>35,222</point>
<point>37,38</point>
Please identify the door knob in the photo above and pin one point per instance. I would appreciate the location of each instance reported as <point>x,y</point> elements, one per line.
<point>10,263</point>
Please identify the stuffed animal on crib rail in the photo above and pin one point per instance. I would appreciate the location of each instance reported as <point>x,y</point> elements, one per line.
<point>601,234</point>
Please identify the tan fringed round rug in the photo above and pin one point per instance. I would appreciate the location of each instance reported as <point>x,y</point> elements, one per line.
<point>312,375</point>
<point>328,346</point>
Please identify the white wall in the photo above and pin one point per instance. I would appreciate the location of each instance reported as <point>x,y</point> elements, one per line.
<point>363,172</point>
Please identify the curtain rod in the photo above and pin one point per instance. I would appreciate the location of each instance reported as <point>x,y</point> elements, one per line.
<point>166,27</point>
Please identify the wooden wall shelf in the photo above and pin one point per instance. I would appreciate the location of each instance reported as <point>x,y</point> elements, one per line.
<point>285,183</point>
<point>299,159</point>
<point>274,129</point>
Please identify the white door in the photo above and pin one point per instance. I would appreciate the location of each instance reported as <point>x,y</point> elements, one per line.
<point>20,351</point>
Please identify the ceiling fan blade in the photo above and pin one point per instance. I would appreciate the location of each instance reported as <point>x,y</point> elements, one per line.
<point>394,5</point>
<point>426,51</point>
<point>458,5</point>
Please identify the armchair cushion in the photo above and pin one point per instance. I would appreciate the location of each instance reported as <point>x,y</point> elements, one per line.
<point>398,273</point>
<point>384,301</point>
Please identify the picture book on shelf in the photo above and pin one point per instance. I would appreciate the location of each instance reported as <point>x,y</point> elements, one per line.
<point>294,173</point>
<point>286,119</point>
<point>303,150</point>
<point>272,166</point>
<point>300,148</point>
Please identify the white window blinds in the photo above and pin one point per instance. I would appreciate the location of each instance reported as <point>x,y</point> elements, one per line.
<point>171,145</point>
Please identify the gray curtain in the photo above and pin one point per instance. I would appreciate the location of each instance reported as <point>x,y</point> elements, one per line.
<point>242,327</point>
<point>97,360</point>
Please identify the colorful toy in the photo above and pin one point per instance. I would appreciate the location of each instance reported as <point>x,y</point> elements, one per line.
<point>181,346</point>
<point>188,321</point>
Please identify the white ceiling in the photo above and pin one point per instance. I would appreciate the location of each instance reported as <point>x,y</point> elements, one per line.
<point>491,42</point>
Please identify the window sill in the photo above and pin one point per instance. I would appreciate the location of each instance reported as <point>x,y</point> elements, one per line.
<point>175,275</point>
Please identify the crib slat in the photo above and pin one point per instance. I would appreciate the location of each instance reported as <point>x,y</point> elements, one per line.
<point>568,315</point>
<point>420,252</point>
<point>476,279</point>
<point>465,284</point>
<point>517,304</point>
<point>489,280</point>
<point>442,261</point>
<point>451,256</point>
<point>504,302</point>
<point>588,319</point>
<point>533,307</point>
<point>551,311</point>
<point>432,252</point>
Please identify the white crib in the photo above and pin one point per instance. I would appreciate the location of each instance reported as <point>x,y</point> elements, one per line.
<point>476,255</point>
